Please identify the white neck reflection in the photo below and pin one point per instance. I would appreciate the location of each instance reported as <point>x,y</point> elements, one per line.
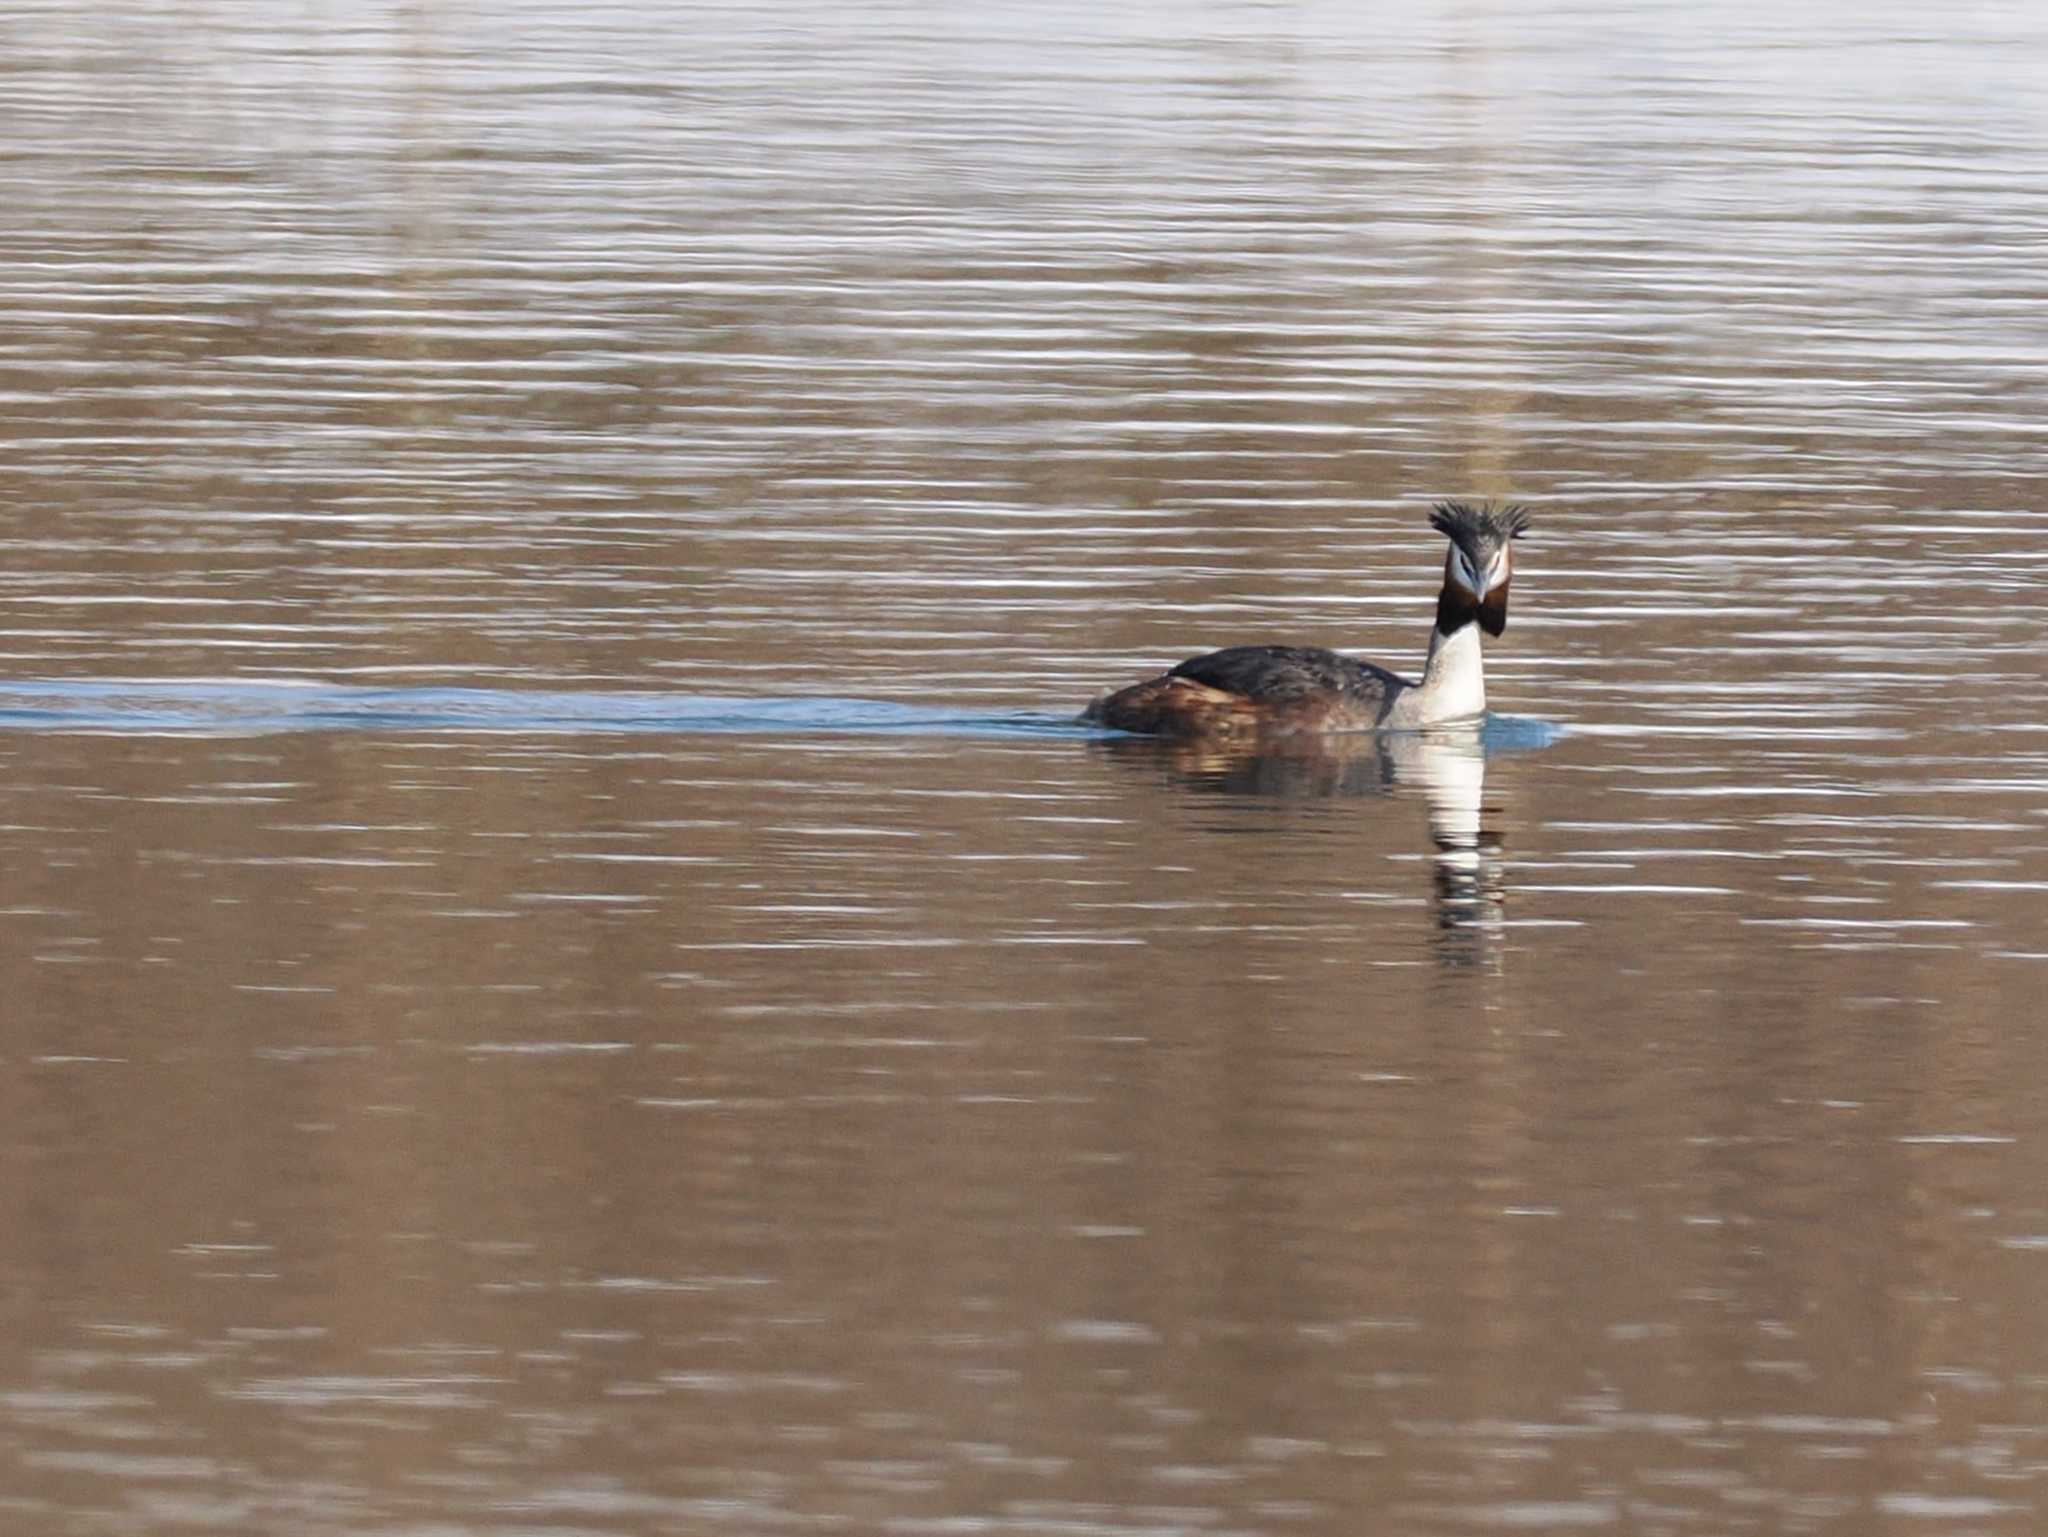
<point>1448,764</point>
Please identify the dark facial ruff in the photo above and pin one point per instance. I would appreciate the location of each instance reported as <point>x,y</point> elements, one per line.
<point>1493,610</point>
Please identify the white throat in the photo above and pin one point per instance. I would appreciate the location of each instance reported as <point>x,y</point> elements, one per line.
<point>1453,679</point>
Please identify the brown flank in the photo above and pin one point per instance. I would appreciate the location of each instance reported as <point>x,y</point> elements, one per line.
<point>1181,707</point>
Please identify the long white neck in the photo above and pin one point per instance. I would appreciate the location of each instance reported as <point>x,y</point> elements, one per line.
<point>1453,679</point>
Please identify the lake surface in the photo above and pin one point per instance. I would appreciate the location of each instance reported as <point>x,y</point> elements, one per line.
<point>568,972</point>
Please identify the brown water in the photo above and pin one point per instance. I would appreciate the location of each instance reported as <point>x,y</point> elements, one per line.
<point>565,973</point>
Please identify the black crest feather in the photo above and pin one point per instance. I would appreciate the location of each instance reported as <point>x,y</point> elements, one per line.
<point>1478,523</point>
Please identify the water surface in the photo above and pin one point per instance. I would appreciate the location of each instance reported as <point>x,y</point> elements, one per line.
<point>568,970</point>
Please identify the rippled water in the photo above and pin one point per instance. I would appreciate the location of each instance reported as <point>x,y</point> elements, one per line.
<point>568,969</point>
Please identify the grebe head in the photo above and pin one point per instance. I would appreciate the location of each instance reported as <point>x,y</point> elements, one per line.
<point>1481,561</point>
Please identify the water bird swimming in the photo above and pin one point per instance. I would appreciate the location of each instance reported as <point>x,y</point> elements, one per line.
<point>1285,690</point>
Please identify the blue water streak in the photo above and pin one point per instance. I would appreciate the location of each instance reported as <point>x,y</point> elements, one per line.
<point>233,707</point>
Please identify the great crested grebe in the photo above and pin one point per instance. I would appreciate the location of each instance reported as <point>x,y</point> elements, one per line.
<point>1283,690</point>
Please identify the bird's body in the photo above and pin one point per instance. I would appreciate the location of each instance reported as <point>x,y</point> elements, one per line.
<point>1288,690</point>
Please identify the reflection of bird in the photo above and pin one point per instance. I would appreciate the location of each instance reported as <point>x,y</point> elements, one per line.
<point>1446,763</point>
<point>1304,768</point>
<point>1281,690</point>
